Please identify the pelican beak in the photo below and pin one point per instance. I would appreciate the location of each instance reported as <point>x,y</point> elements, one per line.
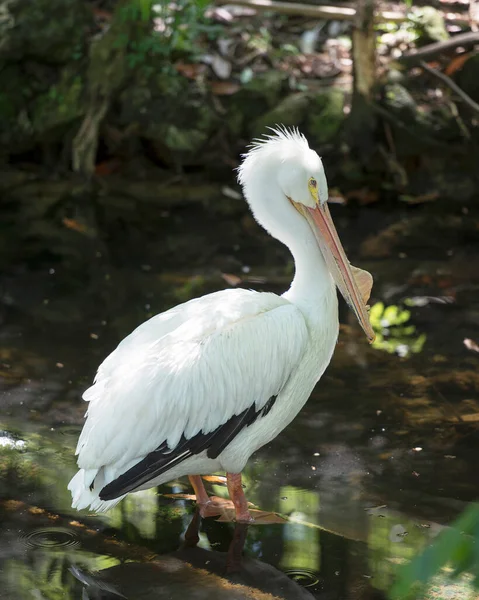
<point>323,227</point>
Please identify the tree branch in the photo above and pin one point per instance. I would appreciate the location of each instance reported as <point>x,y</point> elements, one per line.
<point>308,10</point>
<point>450,83</point>
<point>432,50</point>
<point>320,12</point>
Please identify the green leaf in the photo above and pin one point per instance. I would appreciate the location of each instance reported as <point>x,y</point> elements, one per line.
<point>454,545</point>
<point>376,312</point>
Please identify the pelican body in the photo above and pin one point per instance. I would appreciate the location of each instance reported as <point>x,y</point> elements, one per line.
<point>199,388</point>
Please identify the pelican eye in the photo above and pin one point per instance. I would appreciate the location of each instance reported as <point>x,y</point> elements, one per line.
<point>313,189</point>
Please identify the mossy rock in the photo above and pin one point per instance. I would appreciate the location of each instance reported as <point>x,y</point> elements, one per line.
<point>398,99</point>
<point>17,88</point>
<point>161,97</point>
<point>182,139</point>
<point>253,100</point>
<point>180,122</point>
<point>267,85</point>
<point>14,92</point>
<point>61,104</point>
<point>25,122</point>
<point>188,132</point>
<point>53,31</point>
<point>243,108</point>
<point>326,115</point>
<point>421,126</point>
<point>291,112</point>
<point>36,39</point>
<point>429,24</point>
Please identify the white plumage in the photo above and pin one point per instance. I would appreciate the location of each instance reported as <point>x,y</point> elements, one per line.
<point>232,368</point>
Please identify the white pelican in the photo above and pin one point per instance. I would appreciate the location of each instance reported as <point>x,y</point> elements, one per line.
<point>200,387</point>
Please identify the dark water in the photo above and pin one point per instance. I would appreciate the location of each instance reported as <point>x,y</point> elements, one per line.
<point>382,457</point>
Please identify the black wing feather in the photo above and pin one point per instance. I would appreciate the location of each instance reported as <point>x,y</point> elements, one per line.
<point>163,458</point>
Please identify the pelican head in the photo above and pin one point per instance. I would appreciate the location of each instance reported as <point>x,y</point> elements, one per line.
<point>285,185</point>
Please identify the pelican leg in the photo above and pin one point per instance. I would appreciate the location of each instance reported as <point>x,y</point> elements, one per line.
<point>235,490</point>
<point>235,550</point>
<point>208,507</point>
<point>200,492</point>
<point>192,535</point>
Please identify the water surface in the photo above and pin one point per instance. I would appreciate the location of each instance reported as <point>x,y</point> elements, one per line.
<point>381,458</point>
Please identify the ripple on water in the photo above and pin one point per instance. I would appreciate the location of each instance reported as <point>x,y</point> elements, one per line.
<point>51,538</point>
<point>303,577</point>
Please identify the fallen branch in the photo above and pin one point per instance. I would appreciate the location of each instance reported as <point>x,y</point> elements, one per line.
<point>432,50</point>
<point>308,10</point>
<point>450,83</point>
<point>336,13</point>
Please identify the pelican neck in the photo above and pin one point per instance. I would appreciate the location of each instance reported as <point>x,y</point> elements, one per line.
<point>312,280</point>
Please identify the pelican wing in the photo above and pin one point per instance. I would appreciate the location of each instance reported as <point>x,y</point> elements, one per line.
<point>162,459</point>
<point>187,380</point>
